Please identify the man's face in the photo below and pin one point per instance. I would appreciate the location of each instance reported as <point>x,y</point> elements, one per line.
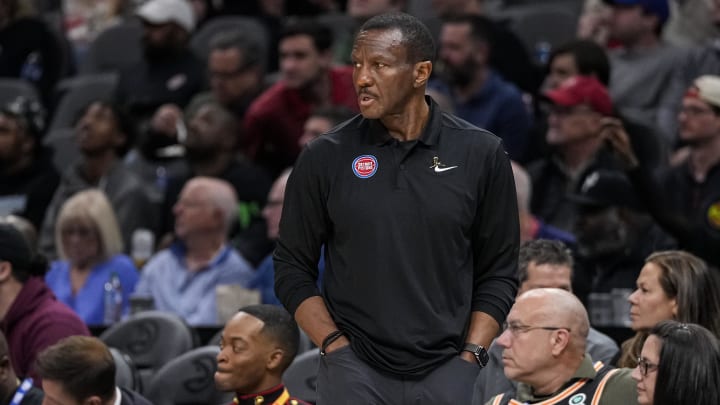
<point>602,232</point>
<point>562,67</point>
<point>567,125</point>
<point>461,56</point>
<point>14,143</point>
<point>698,121</point>
<point>55,394</point>
<point>313,128</point>
<point>194,213</point>
<point>206,135</point>
<point>382,74</point>
<point>301,63</point>
<point>245,355</point>
<point>230,80</point>
<point>547,276</point>
<point>715,10</point>
<point>628,23</point>
<point>526,352</point>
<point>160,40</point>
<point>273,208</point>
<point>97,130</point>
<point>369,8</point>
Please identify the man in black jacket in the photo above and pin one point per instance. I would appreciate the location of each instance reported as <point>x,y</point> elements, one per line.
<point>418,214</point>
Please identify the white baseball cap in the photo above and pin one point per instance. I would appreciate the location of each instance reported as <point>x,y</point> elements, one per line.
<point>706,88</point>
<point>167,11</point>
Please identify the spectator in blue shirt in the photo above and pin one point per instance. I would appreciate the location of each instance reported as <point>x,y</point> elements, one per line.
<point>90,246</point>
<point>479,94</point>
<point>183,278</point>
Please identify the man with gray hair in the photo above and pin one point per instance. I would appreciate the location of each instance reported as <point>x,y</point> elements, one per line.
<point>183,278</point>
<point>542,263</point>
<point>235,72</point>
<point>544,349</point>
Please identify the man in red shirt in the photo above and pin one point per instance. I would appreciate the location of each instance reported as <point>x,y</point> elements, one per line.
<point>274,122</point>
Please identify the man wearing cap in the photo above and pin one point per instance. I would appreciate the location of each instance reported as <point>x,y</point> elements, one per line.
<point>169,72</point>
<point>643,64</point>
<point>703,60</point>
<point>576,109</point>
<point>685,199</point>
<point>28,178</point>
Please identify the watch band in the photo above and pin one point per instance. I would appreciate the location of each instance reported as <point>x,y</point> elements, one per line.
<point>481,355</point>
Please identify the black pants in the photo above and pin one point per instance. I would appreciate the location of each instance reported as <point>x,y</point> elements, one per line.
<point>344,379</point>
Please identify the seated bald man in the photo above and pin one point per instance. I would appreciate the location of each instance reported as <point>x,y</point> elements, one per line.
<point>544,349</point>
<point>542,263</point>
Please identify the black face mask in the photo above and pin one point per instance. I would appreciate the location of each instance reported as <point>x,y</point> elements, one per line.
<point>602,233</point>
<point>155,53</point>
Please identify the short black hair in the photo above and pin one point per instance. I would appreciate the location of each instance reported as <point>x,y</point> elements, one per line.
<point>16,249</point>
<point>321,34</point>
<point>280,327</point>
<point>123,119</point>
<point>82,365</point>
<point>482,29</point>
<point>253,53</point>
<point>417,39</point>
<point>542,251</point>
<point>590,58</point>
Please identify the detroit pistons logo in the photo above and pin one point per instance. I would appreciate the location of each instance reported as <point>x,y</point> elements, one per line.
<point>365,166</point>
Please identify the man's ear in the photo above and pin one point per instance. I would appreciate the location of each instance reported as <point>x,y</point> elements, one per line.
<point>559,340</point>
<point>276,357</point>
<point>5,271</point>
<point>93,400</point>
<point>421,73</point>
<point>4,367</point>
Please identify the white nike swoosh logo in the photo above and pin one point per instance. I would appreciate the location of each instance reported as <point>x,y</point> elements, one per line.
<point>444,169</point>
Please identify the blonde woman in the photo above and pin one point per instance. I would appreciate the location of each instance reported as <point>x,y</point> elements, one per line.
<point>90,247</point>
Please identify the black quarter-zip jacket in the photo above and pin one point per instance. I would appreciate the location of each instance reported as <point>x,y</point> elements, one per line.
<point>418,235</point>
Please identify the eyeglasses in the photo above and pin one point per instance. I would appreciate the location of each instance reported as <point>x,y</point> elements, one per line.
<point>229,75</point>
<point>79,231</point>
<point>645,366</point>
<point>695,111</point>
<point>516,328</point>
<point>564,111</point>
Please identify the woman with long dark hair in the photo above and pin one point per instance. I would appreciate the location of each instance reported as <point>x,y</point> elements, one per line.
<point>679,364</point>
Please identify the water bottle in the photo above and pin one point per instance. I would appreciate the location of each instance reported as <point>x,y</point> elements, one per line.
<point>113,299</point>
<point>32,69</point>
<point>143,245</point>
<point>542,52</point>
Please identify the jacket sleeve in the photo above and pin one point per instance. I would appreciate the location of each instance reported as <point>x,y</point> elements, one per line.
<point>303,230</point>
<point>496,238</point>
